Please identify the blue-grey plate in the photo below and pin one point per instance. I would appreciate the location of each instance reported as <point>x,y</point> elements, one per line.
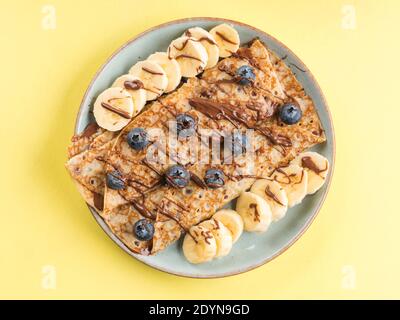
<point>252,250</point>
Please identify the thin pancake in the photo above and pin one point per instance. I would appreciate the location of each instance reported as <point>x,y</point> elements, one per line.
<point>201,204</point>
<point>193,204</point>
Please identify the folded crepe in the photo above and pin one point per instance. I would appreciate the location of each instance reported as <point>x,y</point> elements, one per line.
<point>86,163</point>
<point>174,211</point>
<point>219,104</point>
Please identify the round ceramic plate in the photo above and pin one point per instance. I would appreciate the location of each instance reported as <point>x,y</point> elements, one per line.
<point>252,250</point>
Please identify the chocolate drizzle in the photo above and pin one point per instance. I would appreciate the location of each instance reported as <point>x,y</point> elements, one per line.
<point>180,206</point>
<point>307,162</point>
<point>197,180</point>
<point>188,57</point>
<point>181,56</point>
<point>276,139</point>
<point>151,167</point>
<point>183,45</point>
<point>219,111</point>
<point>143,210</point>
<point>207,235</point>
<point>256,213</point>
<point>288,176</point>
<point>122,113</point>
<point>272,195</point>
<point>166,213</point>
<point>209,40</point>
<point>152,71</point>
<point>223,37</point>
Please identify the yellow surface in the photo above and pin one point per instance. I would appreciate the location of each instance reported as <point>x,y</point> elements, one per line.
<point>351,250</point>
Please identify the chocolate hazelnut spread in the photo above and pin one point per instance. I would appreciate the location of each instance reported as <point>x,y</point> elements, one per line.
<point>98,201</point>
<point>133,85</point>
<point>90,130</point>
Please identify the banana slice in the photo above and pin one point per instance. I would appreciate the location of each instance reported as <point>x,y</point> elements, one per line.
<point>317,167</point>
<point>272,192</point>
<point>134,86</point>
<point>255,211</point>
<point>200,245</point>
<point>209,43</point>
<point>153,76</point>
<point>222,235</point>
<point>232,220</point>
<point>113,109</point>
<point>227,39</point>
<point>171,68</point>
<point>293,180</point>
<point>190,54</point>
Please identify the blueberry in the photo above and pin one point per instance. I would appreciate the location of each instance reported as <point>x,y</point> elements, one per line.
<point>237,143</point>
<point>185,125</point>
<point>143,230</point>
<point>177,176</point>
<point>137,138</point>
<point>245,74</point>
<point>214,178</point>
<point>290,113</point>
<point>114,181</point>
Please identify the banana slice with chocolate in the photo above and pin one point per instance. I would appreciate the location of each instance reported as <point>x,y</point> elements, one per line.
<point>317,167</point>
<point>190,54</point>
<point>153,76</point>
<point>171,68</point>
<point>113,109</point>
<point>227,39</point>
<point>135,87</point>
<point>199,245</point>
<point>209,43</point>
<point>272,192</point>
<point>255,211</point>
<point>294,180</point>
<point>222,235</point>
<point>232,220</point>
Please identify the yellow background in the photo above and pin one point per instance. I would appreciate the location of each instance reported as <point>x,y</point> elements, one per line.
<point>351,250</point>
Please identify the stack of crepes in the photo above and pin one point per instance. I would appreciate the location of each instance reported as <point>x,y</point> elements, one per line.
<point>219,103</point>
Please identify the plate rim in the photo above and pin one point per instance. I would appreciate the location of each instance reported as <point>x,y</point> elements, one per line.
<point>303,229</point>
